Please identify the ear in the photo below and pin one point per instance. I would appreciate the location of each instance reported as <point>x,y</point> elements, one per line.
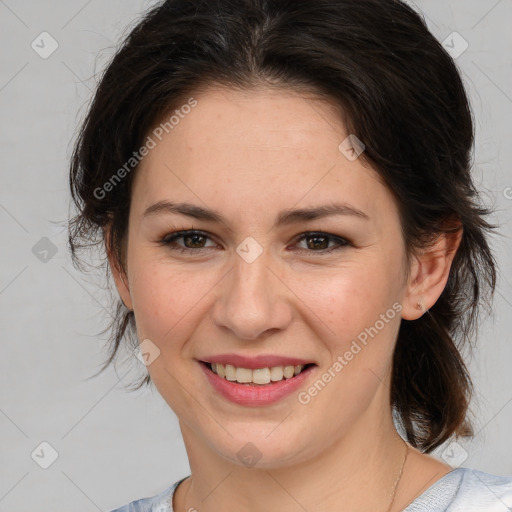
<point>429,274</point>
<point>118,273</point>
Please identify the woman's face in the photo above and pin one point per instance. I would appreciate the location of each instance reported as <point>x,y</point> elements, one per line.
<point>264,281</point>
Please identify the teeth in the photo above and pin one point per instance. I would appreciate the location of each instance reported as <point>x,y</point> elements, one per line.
<point>230,372</point>
<point>220,370</point>
<point>261,376</point>
<point>257,376</point>
<point>289,371</point>
<point>243,375</point>
<point>276,373</point>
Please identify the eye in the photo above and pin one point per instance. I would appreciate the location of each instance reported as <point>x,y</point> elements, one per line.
<point>319,242</point>
<point>192,240</point>
<point>195,241</point>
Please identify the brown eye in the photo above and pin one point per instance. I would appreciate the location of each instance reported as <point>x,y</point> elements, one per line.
<point>193,241</point>
<point>321,242</point>
<point>317,242</point>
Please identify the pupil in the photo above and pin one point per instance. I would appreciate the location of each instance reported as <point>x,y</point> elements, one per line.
<point>193,237</point>
<point>317,245</point>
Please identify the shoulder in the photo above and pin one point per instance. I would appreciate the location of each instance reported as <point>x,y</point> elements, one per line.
<point>467,490</point>
<point>160,503</point>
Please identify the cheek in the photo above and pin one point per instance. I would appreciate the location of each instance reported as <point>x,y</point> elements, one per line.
<point>165,299</point>
<point>350,299</point>
<point>358,316</point>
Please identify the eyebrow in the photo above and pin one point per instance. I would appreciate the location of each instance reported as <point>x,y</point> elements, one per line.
<point>284,217</point>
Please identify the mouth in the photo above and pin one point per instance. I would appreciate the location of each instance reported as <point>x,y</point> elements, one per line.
<point>256,381</point>
<point>256,377</point>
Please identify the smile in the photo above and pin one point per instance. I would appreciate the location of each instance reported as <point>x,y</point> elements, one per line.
<point>257,376</point>
<point>257,386</point>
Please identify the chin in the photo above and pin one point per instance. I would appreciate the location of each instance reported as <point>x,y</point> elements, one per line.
<point>253,449</point>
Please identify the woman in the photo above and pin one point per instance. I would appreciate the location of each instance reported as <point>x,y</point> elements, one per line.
<point>283,189</point>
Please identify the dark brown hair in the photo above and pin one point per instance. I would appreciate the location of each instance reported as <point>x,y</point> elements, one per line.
<point>401,94</point>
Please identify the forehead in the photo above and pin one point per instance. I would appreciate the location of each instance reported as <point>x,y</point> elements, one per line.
<point>264,147</point>
<point>262,120</point>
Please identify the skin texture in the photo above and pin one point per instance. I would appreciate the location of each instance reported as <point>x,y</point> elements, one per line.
<point>249,155</point>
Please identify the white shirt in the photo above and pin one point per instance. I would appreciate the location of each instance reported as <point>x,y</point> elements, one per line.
<point>461,490</point>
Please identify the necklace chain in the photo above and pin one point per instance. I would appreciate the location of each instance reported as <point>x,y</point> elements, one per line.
<point>399,477</point>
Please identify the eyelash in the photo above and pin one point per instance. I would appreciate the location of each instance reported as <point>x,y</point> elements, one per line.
<point>170,238</point>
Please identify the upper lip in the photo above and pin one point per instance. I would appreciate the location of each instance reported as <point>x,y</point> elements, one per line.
<point>251,363</point>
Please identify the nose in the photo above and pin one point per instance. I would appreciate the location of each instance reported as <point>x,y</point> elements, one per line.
<point>253,300</point>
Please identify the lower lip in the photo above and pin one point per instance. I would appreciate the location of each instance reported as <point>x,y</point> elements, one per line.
<point>257,395</point>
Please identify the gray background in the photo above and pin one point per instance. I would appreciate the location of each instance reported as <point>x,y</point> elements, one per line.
<point>114,446</point>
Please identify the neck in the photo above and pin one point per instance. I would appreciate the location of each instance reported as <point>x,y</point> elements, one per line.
<point>359,470</point>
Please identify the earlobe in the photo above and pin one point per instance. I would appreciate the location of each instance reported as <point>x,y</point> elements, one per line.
<point>429,274</point>
<point>413,303</point>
